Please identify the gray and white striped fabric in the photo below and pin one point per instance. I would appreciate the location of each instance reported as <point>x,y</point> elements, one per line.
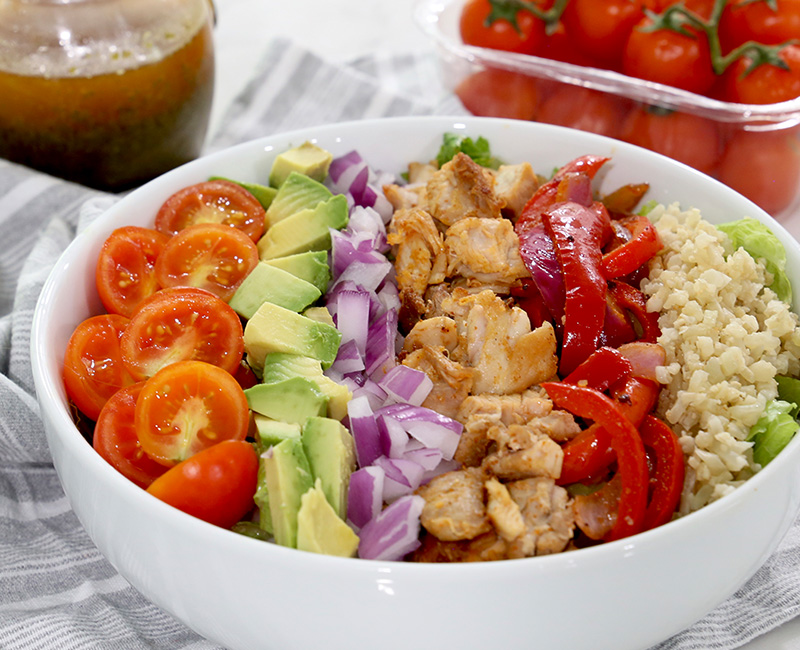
<point>56,590</point>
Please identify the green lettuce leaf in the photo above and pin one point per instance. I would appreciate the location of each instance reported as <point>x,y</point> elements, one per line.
<point>773,431</point>
<point>478,150</point>
<point>761,243</point>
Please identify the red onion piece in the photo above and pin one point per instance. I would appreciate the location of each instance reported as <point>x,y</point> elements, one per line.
<point>394,533</point>
<point>365,495</point>
<point>365,431</point>
<point>355,304</point>
<point>407,385</point>
<point>426,425</point>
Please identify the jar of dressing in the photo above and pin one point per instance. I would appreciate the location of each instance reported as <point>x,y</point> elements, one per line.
<point>106,93</point>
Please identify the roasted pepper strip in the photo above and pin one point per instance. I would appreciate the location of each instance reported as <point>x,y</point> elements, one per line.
<point>576,232</point>
<point>667,477</point>
<point>604,367</point>
<point>631,460</point>
<point>636,302</point>
<point>628,257</point>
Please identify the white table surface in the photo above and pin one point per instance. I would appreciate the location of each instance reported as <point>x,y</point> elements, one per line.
<point>340,30</point>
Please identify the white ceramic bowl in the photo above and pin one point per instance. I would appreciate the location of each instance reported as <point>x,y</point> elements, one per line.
<point>247,594</point>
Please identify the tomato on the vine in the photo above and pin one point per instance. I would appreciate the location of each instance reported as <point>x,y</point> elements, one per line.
<point>766,83</point>
<point>668,57</point>
<point>499,93</point>
<point>600,28</point>
<point>584,109</point>
<point>745,20</point>
<point>525,38</point>
<point>216,485</point>
<point>187,407</point>
<point>686,137</point>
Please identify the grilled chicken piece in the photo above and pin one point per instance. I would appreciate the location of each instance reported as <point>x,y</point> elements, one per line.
<point>412,194</point>
<point>557,425</point>
<point>520,452</point>
<point>452,382</point>
<point>547,512</point>
<point>486,250</point>
<point>419,250</point>
<point>498,342</point>
<point>514,185</point>
<point>461,189</point>
<point>454,505</point>
<point>503,511</point>
<point>436,332</point>
<point>484,548</point>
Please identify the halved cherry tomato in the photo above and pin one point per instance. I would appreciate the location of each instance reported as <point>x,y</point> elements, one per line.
<point>584,109</point>
<point>212,202</point>
<point>115,438</point>
<point>187,407</point>
<point>208,256</point>
<point>93,366</point>
<point>499,93</point>
<point>526,37</point>
<point>667,477</point>
<point>766,83</point>
<point>178,324</point>
<point>216,485</point>
<point>125,272</point>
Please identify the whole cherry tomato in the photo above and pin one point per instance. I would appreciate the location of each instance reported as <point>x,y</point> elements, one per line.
<point>600,28</point>
<point>688,138</point>
<point>667,57</point>
<point>584,109</point>
<point>765,84</point>
<point>499,93</point>
<point>744,20</point>
<point>526,37</point>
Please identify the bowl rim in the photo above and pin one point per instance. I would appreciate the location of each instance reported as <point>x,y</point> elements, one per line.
<point>50,392</point>
<point>428,16</point>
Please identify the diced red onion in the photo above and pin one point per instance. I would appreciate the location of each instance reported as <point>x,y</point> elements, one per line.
<point>374,394</point>
<point>365,431</point>
<point>365,495</point>
<point>343,163</point>
<point>426,425</point>
<point>427,457</point>
<point>394,533</point>
<point>406,385</point>
<point>355,327</point>
<point>394,438</point>
<point>349,358</point>
<point>368,275</point>
<point>381,338</point>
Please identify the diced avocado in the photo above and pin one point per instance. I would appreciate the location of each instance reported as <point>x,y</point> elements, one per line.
<point>279,366</point>
<point>264,194</point>
<point>320,314</point>
<point>261,498</point>
<point>307,159</point>
<point>288,477</point>
<point>277,329</point>
<point>320,530</point>
<point>311,266</point>
<point>306,230</point>
<point>267,283</point>
<point>270,432</point>
<point>298,192</point>
<point>331,454</point>
<point>291,400</point>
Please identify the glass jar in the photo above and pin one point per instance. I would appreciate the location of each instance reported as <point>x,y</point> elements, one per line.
<point>107,93</point>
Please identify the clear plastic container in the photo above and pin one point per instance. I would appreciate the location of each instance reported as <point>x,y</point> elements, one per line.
<point>753,148</point>
<point>107,93</point>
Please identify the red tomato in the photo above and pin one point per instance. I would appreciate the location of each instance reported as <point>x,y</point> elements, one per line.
<point>526,38</point>
<point>765,167</point>
<point>212,202</point>
<point>744,20</point>
<point>667,57</point>
<point>187,407</point>
<point>115,438</point>
<point>766,84</point>
<point>559,46</point>
<point>691,139</point>
<point>209,256</point>
<point>499,93</point>
<point>600,28</point>
<point>584,109</point>
<point>216,485</point>
<point>178,324</point>
<point>125,268</point>
<point>93,367</point>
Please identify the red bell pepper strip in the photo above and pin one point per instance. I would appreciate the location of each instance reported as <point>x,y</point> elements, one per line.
<point>668,475</point>
<point>604,367</point>
<point>631,460</point>
<point>635,301</point>
<point>576,231</point>
<point>628,257</point>
<point>618,326</point>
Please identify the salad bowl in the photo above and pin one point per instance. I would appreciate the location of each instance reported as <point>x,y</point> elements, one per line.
<point>245,593</point>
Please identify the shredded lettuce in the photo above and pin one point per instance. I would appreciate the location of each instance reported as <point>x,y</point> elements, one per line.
<point>773,431</point>
<point>478,150</point>
<point>761,243</point>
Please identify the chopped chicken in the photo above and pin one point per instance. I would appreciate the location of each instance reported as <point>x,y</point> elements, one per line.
<point>514,185</point>
<point>419,252</point>
<point>497,341</point>
<point>461,189</point>
<point>503,511</point>
<point>557,425</point>
<point>484,249</point>
<point>518,408</point>
<point>454,506</point>
<point>412,194</point>
<point>436,332</point>
<point>520,452</point>
<point>452,382</point>
<point>484,548</point>
<point>549,519</point>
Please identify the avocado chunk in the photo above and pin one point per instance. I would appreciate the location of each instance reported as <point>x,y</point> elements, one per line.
<point>306,230</point>
<point>279,366</point>
<point>261,499</point>
<point>291,400</point>
<point>298,192</point>
<point>307,159</point>
<point>320,314</point>
<point>268,283</point>
<point>277,329</point>
<point>270,432</point>
<point>331,454</point>
<point>287,477</point>
<point>320,530</point>
<point>263,193</point>
<point>311,266</point>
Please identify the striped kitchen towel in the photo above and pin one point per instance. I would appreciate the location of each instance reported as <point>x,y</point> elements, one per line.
<point>56,590</point>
